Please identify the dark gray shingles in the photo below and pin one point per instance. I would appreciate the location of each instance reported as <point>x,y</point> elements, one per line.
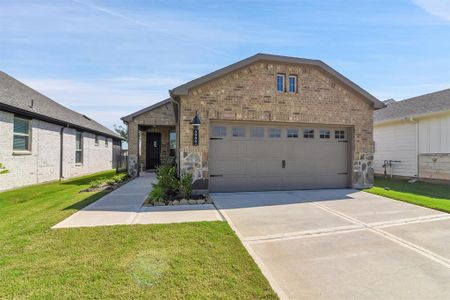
<point>18,95</point>
<point>425,104</point>
<point>130,117</point>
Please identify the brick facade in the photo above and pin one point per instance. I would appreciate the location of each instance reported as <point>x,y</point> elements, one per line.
<point>43,162</point>
<point>250,94</point>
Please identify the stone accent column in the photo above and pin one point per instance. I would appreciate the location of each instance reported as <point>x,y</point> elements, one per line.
<point>133,149</point>
<point>363,172</point>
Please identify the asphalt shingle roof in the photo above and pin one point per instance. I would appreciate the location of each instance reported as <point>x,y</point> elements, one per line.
<point>421,105</point>
<point>15,94</point>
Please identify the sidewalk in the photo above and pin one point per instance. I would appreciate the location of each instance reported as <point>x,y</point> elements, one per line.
<point>124,206</point>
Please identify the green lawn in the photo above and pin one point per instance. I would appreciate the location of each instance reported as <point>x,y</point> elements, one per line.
<point>436,196</point>
<point>192,260</point>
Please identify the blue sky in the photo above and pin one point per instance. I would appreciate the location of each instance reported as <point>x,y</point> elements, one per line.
<point>109,58</point>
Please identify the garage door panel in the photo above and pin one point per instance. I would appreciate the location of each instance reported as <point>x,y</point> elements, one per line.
<point>252,163</point>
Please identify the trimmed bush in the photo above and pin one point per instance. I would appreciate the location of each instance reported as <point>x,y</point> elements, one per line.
<point>186,185</point>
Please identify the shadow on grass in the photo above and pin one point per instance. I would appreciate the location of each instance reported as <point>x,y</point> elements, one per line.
<point>86,201</point>
<point>420,188</point>
<point>88,179</point>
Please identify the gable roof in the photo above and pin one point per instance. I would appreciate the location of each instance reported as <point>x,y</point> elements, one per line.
<point>416,106</point>
<point>130,117</point>
<point>20,98</point>
<point>184,88</point>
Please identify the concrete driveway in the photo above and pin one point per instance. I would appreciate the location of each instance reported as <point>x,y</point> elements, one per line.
<point>343,244</point>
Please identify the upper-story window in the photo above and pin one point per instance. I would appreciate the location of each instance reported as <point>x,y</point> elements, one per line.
<point>22,134</point>
<point>280,82</point>
<point>292,83</point>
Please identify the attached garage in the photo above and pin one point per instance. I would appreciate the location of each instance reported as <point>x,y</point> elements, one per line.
<point>272,122</point>
<point>275,156</point>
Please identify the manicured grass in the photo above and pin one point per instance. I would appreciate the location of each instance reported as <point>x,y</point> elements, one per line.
<point>436,196</point>
<point>191,260</point>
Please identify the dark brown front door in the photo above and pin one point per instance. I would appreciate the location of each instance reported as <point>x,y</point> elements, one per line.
<point>153,150</point>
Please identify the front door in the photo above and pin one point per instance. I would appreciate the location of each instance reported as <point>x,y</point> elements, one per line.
<point>153,150</point>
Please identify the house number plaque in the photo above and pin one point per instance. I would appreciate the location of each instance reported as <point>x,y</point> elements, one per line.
<point>195,137</point>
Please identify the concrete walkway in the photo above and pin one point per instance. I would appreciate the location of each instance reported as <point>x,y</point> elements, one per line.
<point>343,244</point>
<point>124,206</point>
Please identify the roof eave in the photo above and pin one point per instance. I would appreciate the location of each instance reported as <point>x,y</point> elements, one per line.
<point>37,116</point>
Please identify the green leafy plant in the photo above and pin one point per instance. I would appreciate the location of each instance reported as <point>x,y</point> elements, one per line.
<point>186,185</point>
<point>3,170</point>
<point>167,180</point>
<point>156,194</point>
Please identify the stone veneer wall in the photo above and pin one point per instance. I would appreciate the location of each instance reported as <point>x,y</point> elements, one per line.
<point>161,116</point>
<point>434,166</point>
<point>250,94</point>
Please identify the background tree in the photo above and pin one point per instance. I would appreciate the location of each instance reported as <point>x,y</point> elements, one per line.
<point>122,131</point>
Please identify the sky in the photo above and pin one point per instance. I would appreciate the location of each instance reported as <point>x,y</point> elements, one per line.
<point>107,59</point>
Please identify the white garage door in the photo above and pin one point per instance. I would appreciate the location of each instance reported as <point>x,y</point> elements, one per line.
<point>258,157</point>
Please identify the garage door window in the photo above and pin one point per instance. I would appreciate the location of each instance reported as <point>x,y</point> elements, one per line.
<point>238,131</point>
<point>219,131</point>
<point>292,133</point>
<point>339,134</point>
<point>308,133</point>
<point>274,132</point>
<point>257,132</point>
<point>324,134</point>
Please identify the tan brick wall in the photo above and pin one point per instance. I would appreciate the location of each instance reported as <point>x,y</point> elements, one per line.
<point>434,166</point>
<point>250,94</point>
<point>161,116</point>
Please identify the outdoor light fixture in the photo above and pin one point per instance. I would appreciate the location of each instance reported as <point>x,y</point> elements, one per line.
<point>196,120</point>
<point>195,129</point>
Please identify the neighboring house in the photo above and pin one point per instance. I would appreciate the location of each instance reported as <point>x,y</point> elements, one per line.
<point>268,122</point>
<point>415,135</point>
<point>41,140</point>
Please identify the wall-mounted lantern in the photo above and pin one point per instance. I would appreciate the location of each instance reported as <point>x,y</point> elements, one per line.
<point>195,129</point>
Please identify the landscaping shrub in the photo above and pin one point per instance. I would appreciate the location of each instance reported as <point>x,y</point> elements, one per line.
<point>167,180</point>
<point>157,194</point>
<point>186,185</point>
<point>100,182</point>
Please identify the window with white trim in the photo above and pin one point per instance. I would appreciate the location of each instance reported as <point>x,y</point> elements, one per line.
<point>78,147</point>
<point>292,83</point>
<point>308,133</point>
<point>219,131</point>
<point>22,134</point>
<point>325,134</point>
<point>292,133</point>
<point>257,132</point>
<point>274,132</point>
<point>238,131</point>
<point>280,83</point>
<point>339,134</point>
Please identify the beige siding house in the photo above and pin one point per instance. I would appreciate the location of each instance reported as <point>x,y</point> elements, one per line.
<point>267,122</point>
<point>414,135</point>
<point>41,140</point>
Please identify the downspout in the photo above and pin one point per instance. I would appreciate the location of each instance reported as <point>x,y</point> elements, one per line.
<point>61,151</point>
<point>410,119</point>
<point>177,103</point>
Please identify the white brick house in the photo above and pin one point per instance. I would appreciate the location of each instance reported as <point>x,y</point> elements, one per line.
<point>414,135</point>
<point>41,140</point>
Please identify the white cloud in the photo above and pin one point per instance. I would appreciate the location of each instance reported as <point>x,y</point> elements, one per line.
<point>439,8</point>
<point>105,100</point>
